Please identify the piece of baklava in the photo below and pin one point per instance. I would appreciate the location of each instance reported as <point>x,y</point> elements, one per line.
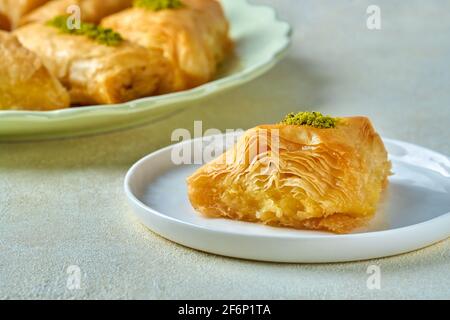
<point>89,10</point>
<point>308,172</point>
<point>15,10</point>
<point>193,35</point>
<point>25,83</point>
<point>95,64</point>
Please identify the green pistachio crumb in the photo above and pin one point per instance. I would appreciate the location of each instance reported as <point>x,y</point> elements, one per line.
<point>101,35</point>
<point>157,5</point>
<point>313,119</point>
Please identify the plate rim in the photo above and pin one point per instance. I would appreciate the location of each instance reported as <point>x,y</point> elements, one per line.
<point>156,102</point>
<point>320,237</point>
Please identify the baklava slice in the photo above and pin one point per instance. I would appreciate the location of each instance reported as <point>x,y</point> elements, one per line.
<point>192,34</point>
<point>308,172</point>
<point>95,64</point>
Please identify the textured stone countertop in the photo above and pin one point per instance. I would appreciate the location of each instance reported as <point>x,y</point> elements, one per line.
<point>62,203</point>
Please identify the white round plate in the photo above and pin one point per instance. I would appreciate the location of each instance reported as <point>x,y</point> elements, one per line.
<point>260,39</point>
<point>414,213</point>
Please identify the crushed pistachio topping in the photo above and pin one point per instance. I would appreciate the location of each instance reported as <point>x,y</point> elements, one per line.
<point>157,5</point>
<point>101,35</point>
<point>313,119</point>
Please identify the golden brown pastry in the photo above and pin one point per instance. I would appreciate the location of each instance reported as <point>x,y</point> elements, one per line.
<point>193,37</point>
<point>25,83</point>
<point>4,22</point>
<point>321,177</point>
<point>91,10</point>
<point>93,72</point>
<point>16,9</point>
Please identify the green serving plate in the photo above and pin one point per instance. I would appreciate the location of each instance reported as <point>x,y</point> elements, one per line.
<point>260,38</point>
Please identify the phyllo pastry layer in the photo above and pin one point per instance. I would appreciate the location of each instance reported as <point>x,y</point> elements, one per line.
<point>90,10</point>
<point>193,35</point>
<point>25,83</point>
<point>15,10</point>
<point>328,177</point>
<point>94,72</point>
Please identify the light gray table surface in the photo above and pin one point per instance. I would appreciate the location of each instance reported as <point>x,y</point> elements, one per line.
<point>62,202</point>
